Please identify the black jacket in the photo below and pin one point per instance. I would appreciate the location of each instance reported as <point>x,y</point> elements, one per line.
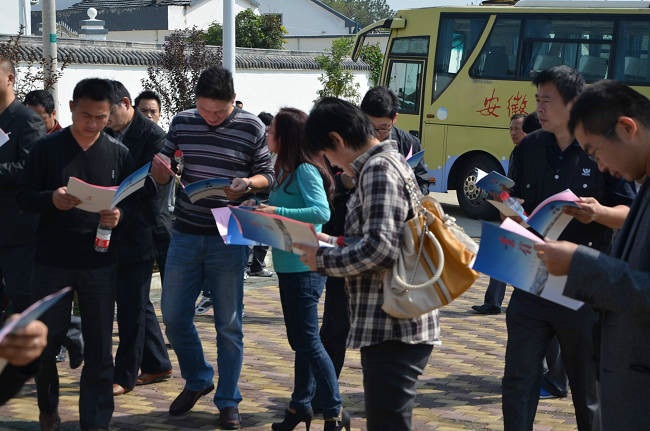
<point>24,128</point>
<point>13,378</point>
<point>408,143</point>
<point>144,139</point>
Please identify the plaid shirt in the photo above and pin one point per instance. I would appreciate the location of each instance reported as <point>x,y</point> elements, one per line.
<point>377,210</point>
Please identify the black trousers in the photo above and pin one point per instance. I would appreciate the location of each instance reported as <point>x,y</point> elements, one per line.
<point>96,291</point>
<point>495,292</point>
<point>532,322</point>
<point>16,270</point>
<point>257,258</point>
<point>390,373</point>
<point>161,241</point>
<point>554,378</point>
<point>141,342</point>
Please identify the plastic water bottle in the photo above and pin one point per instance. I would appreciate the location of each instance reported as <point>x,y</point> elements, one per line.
<point>102,238</point>
<point>512,203</point>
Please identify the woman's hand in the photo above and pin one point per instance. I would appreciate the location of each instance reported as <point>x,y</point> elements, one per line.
<point>267,209</point>
<point>309,256</point>
<point>248,203</point>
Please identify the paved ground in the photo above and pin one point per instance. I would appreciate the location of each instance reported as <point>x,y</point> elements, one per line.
<point>460,389</point>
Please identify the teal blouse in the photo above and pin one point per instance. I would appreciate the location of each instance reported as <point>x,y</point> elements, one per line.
<point>303,200</point>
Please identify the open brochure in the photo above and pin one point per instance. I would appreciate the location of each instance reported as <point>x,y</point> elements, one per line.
<point>548,218</point>
<point>414,159</point>
<point>206,188</point>
<point>96,198</point>
<point>493,182</point>
<point>229,228</point>
<point>506,253</point>
<point>276,231</point>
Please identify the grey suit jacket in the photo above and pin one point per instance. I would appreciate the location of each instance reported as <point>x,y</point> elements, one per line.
<point>619,285</point>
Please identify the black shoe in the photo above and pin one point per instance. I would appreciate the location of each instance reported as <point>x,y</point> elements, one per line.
<point>292,419</point>
<point>49,421</point>
<point>343,421</point>
<point>61,356</point>
<point>486,309</point>
<point>261,273</point>
<point>229,418</point>
<point>186,400</point>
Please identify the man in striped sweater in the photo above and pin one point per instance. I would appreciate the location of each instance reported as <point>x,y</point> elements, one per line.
<point>218,140</point>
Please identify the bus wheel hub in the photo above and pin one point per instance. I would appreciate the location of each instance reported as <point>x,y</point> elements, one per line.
<point>470,190</point>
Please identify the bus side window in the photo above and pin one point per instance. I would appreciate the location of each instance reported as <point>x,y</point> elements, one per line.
<point>499,54</point>
<point>632,44</point>
<point>457,38</point>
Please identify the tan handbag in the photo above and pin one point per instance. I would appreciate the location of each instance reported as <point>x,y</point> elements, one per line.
<point>434,264</point>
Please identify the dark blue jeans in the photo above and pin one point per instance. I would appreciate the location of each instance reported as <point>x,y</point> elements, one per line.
<point>299,294</point>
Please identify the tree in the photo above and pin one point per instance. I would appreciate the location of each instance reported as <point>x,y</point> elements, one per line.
<point>251,31</point>
<point>337,81</point>
<point>184,57</point>
<point>371,54</point>
<point>364,11</point>
<point>31,75</point>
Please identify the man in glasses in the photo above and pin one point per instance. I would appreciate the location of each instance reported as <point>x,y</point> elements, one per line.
<point>380,105</point>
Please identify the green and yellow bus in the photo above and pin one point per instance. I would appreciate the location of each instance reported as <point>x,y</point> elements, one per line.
<point>461,73</point>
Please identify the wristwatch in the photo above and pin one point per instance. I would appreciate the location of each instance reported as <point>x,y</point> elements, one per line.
<point>250,186</point>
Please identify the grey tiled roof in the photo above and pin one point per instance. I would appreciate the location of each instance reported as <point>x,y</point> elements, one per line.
<point>141,54</point>
<point>107,4</point>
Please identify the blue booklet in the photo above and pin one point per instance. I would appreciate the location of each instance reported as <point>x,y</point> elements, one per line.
<point>206,188</point>
<point>507,253</point>
<point>414,159</point>
<point>494,182</point>
<point>229,228</point>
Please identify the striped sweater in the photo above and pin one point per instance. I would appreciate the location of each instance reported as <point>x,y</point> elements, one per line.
<point>234,149</point>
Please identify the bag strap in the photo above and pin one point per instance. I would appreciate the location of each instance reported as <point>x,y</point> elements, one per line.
<point>418,208</point>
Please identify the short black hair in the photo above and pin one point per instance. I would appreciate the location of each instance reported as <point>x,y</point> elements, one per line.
<point>215,83</point>
<point>517,116</point>
<point>239,102</point>
<point>7,64</point>
<point>380,102</point>
<point>567,80</point>
<point>148,95</point>
<point>96,89</point>
<point>600,106</point>
<point>40,98</point>
<point>119,93</point>
<point>330,114</point>
<point>266,118</point>
<point>531,123</point>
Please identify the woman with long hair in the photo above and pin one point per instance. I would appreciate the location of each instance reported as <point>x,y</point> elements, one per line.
<point>300,193</point>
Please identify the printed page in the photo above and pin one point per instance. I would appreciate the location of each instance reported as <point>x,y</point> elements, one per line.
<point>414,159</point>
<point>93,198</point>
<point>206,188</point>
<point>549,218</point>
<point>228,227</point>
<point>493,182</point>
<point>131,184</point>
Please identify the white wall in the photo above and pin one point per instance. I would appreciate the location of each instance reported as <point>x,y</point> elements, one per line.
<point>10,16</point>
<point>259,90</point>
<point>147,36</point>
<point>202,13</point>
<point>303,17</point>
<point>322,43</point>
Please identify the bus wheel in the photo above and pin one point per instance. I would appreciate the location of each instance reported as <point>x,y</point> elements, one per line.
<point>471,198</point>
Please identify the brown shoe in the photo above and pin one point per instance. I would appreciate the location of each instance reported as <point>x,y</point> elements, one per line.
<point>119,390</point>
<point>229,418</point>
<point>146,378</point>
<point>49,421</point>
<point>186,400</point>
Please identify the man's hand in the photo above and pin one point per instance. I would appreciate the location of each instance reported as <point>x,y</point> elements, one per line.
<point>238,188</point>
<point>309,255</point>
<point>63,201</point>
<point>590,210</point>
<point>25,344</point>
<point>109,218</point>
<point>556,255</point>
<point>160,168</point>
<point>348,181</point>
<point>266,209</point>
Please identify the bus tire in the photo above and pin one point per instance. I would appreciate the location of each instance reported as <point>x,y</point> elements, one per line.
<point>470,198</point>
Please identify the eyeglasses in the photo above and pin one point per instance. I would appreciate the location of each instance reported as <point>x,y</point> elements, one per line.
<point>383,129</point>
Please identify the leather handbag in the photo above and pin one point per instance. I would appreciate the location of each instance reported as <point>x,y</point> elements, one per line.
<point>434,264</point>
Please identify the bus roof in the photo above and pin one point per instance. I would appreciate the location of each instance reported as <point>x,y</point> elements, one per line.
<point>610,4</point>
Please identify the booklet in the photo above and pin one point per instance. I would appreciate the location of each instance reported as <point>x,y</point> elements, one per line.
<point>414,159</point>
<point>547,218</point>
<point>229,228</point>
<point>206,188</point>
<point>506,253</point>
<point>96,198</point>
<point>493,182</point>
<point>4,137</point>
<point>274,230</point>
